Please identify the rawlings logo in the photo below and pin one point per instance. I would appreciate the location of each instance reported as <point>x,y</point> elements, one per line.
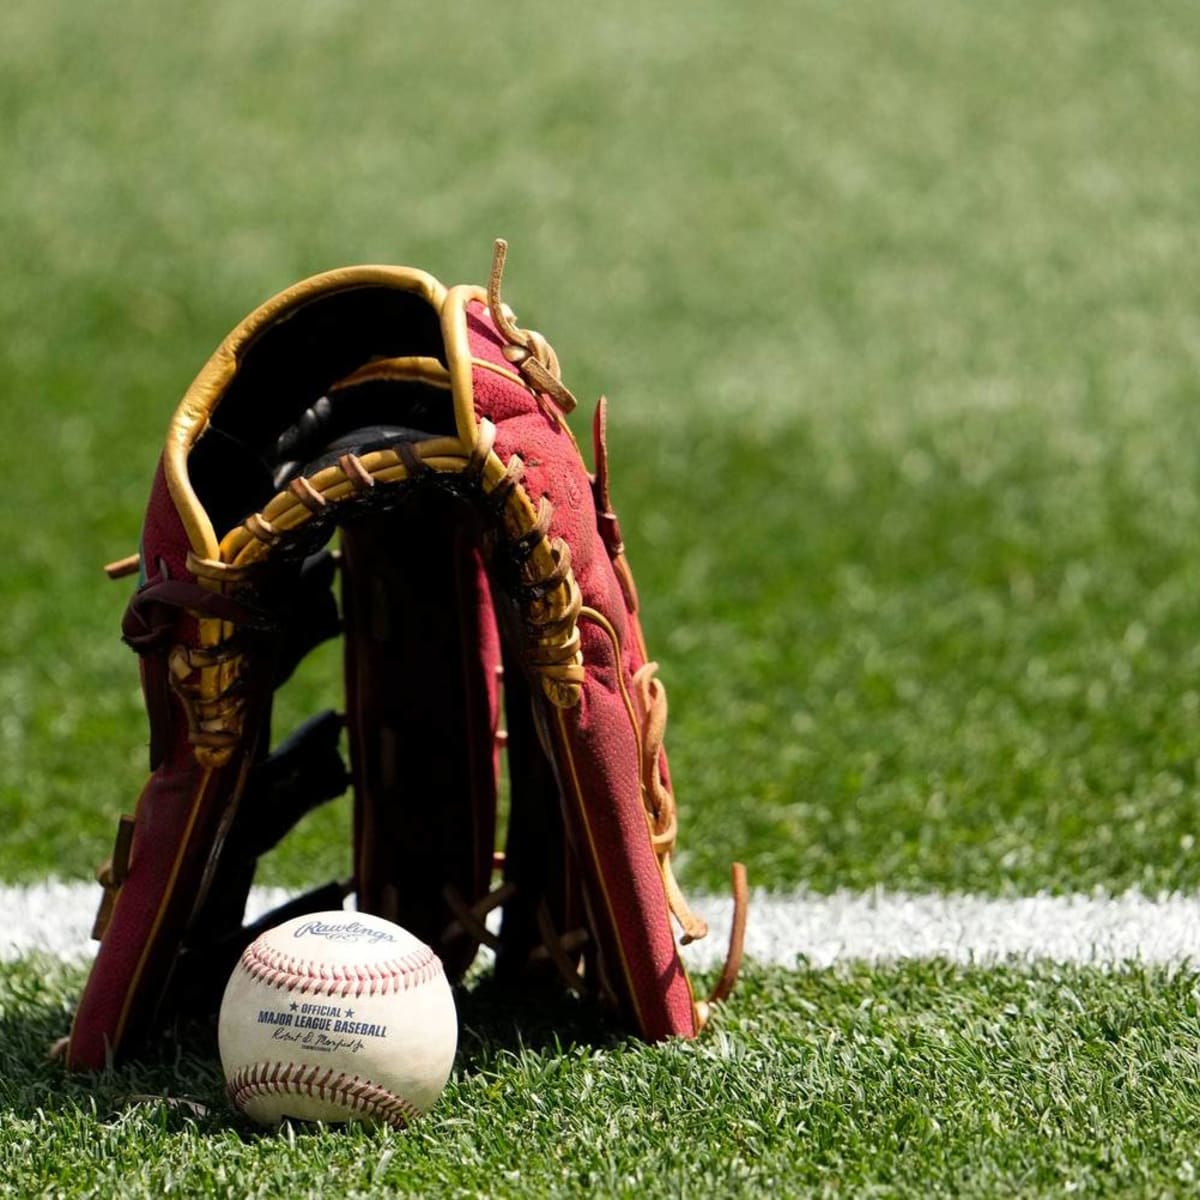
<point>351,931</point>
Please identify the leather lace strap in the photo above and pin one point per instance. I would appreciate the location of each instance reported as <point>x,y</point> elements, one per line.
<point>150,617</point>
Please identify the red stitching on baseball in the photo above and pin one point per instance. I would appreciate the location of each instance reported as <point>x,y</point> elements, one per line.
<point>285,1079</point>
<point>376,979</point>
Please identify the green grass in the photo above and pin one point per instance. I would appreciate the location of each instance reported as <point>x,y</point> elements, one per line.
<point>896,307</point>
<point>922,1080</point>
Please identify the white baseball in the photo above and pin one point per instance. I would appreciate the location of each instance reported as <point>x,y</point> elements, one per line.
<point>337,1016</point>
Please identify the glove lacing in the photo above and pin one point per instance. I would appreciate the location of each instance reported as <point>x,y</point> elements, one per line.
<point>527,350</point>
<point>650,698</point>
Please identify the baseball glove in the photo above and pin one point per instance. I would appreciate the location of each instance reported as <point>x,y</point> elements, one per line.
<point>481,573</point>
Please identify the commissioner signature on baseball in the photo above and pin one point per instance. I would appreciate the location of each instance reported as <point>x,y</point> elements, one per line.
<point>321,1042</point>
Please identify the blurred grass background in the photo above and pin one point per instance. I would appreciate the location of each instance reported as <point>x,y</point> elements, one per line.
<point>896,305</point>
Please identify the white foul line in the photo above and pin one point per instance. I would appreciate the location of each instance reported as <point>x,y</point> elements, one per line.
<point>786,928</point>
<point>882,926</point>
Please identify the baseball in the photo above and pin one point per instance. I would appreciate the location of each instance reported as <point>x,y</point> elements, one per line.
<point>337,1016</point>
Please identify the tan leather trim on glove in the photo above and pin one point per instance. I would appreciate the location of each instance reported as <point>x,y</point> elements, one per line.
<point>202,398</point>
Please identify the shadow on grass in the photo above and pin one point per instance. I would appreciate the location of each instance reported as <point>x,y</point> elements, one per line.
<point>178,1073</point>
<point>496,1019</point>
